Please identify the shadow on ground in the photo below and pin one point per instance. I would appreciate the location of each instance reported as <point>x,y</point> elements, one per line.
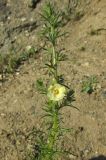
<point>101,157</point>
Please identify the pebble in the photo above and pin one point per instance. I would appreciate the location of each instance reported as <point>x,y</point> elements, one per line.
<point>86,64</point>
<point>3,114</point>
<point>28,47</point>
<point>23,19</point>
<point>96,153</point>
<point>15,37</point>
<point>72,156</point>
<point>17,73</point>
<point>85,42</point>
<point>8,18</point>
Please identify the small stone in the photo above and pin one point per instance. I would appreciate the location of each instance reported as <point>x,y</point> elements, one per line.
<point>31,19</point>
<point>28,47</point>
<point>85,42</point>
<point>96,153</point>
<point>72,156</point>
<point>86,64</point>
<point>15,37</point>
<point>17,73</point>
<point>8,18</point>
<point>23,19</point>
<point>3,114</point>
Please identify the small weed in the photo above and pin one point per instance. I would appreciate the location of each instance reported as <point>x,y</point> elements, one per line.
<point>30,52</point>
<point>10,62</point>
<point>89,85</point>
<point>71,12</point>
<point>66,13</point>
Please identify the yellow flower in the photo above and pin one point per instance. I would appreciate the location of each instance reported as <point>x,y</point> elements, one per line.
<point>56,92</point>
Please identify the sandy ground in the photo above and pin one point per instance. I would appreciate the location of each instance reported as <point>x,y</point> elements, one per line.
<point>20,103</point>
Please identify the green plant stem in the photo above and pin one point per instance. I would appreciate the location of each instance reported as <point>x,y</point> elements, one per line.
<point>53,56</point>
<point>54,61</point>
<point>52,23</point>
<point>54,130</point>
<point>53,133</point>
